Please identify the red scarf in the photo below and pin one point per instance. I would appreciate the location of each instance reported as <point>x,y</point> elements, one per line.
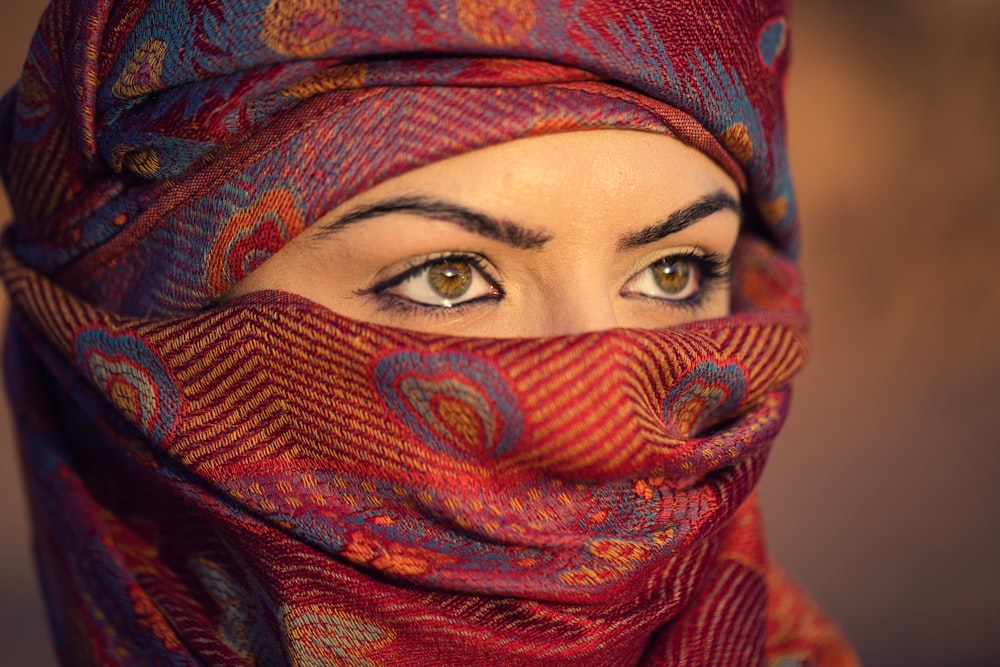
<point>323,491</point>
<point>269,483</point>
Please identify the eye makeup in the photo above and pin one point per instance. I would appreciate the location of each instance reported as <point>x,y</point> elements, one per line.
<point>440,282</point>
<point>684,279</point>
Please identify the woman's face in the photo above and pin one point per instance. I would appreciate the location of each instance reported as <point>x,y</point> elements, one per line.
<point>550,235</point>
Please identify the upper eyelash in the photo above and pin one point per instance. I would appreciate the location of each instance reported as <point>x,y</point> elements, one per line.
<point>716,272</point>
<point>421,264</point>
<point>716,266</point>
<point>391,302</point>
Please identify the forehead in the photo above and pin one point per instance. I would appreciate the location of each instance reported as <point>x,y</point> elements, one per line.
<point>600,174</point>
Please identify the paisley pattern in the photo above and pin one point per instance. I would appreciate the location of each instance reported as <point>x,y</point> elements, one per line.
<point>452,401</point>
<point>319,637</point>
<point>191,95</point>
<point>406,485</point>
<point>705,395</point>
<point>301,28</point>
<point>134,379</point>
<point>239,627</point>
<point>261,481</point>
<point>505,23</point>
<point>772,40</point>
<point>250,234</point>
<point>143,73</point>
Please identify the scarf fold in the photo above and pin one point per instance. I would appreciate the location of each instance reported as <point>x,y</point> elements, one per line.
<point>176,146</point>
<point>389,497</point>
<point>264,482</point>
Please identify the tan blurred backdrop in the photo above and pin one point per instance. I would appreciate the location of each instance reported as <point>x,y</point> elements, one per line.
<point>880,496</point>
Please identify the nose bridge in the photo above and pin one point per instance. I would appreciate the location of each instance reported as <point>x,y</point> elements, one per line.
<point>571,286</point>
<point>582,311</point>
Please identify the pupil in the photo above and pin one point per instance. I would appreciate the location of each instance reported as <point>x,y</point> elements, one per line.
<point>672,277</point>
<point>450,279</point>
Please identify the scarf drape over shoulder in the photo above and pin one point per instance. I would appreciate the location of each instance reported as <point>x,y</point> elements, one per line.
<point>266,482</point>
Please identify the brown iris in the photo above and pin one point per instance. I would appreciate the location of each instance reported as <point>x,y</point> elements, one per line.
<point>672,275</point>
<point>450,279</point>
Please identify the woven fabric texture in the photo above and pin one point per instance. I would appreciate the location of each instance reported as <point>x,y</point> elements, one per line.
<point>266,482</point>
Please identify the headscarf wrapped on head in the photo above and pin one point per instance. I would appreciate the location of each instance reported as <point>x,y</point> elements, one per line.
<point>266,482</point>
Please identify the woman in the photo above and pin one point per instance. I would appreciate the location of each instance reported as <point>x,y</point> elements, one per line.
<point>440,333</point>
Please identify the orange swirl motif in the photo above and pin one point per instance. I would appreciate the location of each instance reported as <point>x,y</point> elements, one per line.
<point>343,77</point>
<point>501,23</point>
<point>303,28</point>
<point>322,634</point>
<point>738,141</point>
<point>144,71</point>
<point>250,236</point>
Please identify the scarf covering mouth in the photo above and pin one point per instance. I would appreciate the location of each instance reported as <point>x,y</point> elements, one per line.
<point>395,498</point>
<point>268,483</point>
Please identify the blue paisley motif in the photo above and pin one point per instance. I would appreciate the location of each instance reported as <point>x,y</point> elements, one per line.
<point>132,377</point>
<point>705,394</point>
<point>457,403</point>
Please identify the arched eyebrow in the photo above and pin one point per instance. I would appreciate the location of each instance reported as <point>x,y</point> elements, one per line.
<point>517,235</point>
<point>681,219</point>
<point>497,229</point>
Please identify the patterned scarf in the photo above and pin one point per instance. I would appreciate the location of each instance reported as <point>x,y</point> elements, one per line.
<point>266,482</point>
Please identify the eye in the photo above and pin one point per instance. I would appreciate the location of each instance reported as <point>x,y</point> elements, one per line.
<point>680,277</point>
<point>443,282</point>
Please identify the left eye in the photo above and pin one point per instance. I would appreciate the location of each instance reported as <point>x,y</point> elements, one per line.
<point>443,283</point>
<point>673,278</point>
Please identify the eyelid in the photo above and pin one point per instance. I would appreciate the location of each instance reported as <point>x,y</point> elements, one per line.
<point>718,260</point>
<point>415,265</point>
<point>386,299</point>
<point>713,268</point>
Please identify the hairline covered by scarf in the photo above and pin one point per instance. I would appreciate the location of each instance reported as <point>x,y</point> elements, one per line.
<point>267,482</point>
<point>164,121</point>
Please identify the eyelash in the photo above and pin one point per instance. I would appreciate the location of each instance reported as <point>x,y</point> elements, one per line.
<point>713,271</point>
<point>389,302</point>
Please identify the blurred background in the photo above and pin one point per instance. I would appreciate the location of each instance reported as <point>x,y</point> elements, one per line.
<point>880,496</point>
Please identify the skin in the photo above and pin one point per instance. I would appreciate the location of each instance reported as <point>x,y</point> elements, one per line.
<point>544,236</point>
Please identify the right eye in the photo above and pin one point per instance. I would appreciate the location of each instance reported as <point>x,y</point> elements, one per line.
<point>443,282</point>
<point>679,278</point>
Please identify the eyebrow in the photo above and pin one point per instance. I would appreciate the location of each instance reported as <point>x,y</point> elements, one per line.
<point>498,229</point>
<point>516,235</point>
<point>681,219</point>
